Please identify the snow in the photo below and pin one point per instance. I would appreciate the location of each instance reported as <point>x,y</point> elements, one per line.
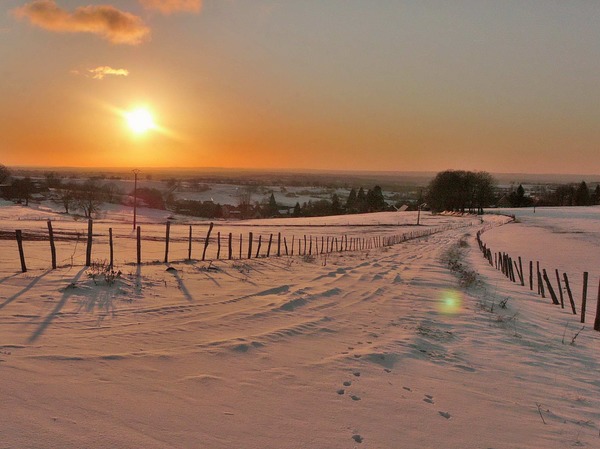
<point>380,348</point>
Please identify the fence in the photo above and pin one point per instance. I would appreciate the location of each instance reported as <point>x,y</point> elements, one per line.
<point>213,244</point>
<point>513,270</point>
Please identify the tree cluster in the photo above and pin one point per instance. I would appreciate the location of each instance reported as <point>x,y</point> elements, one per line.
<point>571,195</point>
<point>461,191</point>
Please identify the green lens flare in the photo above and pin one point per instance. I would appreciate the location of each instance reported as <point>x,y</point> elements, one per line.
<point>450,303</point>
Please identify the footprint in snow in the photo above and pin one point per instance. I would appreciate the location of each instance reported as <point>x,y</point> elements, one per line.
<point>356,373</point>
<point>355,398</point>
<point>347,383</point>
<point>445,414</point>
<point>357,438</point>
<point>341,391</point>
<point>429,399</point>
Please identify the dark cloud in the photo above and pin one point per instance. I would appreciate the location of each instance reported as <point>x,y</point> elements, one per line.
<point>106,21</point>
<point>171,6</point>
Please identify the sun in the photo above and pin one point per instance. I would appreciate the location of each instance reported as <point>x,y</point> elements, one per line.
<point>140,120</point>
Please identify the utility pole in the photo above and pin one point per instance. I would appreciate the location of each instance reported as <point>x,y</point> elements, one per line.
<point>135,174</point>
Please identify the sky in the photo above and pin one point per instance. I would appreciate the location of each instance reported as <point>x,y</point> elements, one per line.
<point>500,86</point>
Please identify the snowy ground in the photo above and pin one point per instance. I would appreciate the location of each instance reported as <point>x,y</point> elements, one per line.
<point>384,348</point>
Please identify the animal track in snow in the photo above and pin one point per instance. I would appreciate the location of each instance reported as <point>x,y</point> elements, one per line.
<point>429,399</point>
<point>357,438</point>
<point>445,414</point>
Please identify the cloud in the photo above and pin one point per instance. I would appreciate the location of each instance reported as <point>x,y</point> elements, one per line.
<point>100,72</point>
<point>105,21</point>
<point>171,6</point>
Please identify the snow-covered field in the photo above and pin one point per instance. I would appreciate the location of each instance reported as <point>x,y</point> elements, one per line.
<point>381,348</point>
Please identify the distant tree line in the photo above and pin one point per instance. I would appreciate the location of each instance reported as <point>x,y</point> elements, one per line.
<point>357,202</point>
<point>461,191</point>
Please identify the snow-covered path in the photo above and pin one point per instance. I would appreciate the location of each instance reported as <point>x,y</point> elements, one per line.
<point>377,349</point>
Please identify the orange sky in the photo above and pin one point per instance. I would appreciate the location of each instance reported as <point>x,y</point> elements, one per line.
<point>335,84</point>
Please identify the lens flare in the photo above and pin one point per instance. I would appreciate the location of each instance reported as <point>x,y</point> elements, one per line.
<point>450,302</point>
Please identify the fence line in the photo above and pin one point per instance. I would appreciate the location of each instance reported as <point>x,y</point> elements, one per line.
<point>306,246</point>
<point>504,262</point>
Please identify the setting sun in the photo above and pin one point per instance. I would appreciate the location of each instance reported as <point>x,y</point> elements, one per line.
<point>140,120</point>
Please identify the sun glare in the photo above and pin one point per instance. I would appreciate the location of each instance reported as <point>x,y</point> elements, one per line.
<point>140,120</point>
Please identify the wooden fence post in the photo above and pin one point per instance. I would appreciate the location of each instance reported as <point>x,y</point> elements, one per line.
<point>167,235</point>
<point>584,296</point>
<point>218,245</point>
<point>304,246</point>
<point>531,275</point>
<point>550,289</point>
<point>207,240</point>
<point>250,245</point>
<point>292,252</point>
<point>230,248</point>
<point>285,245</point>
<point>52,247</point>
<point>88,250</point>
<point>19,236</point>
<point>569,293</point>
<point>241,238</point>
<point>521,275</point>
<point>139,244</point>
<point>279,244</point>
<point>541,286</point>
<point>190,244</point>
<point>110,248</point>
<point>597,320</point>
<point>259,245</point>
<point>269,247</point>
<point>560,292</point>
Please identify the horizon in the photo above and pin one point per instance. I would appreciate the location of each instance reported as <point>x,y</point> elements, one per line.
<point>288,86</point>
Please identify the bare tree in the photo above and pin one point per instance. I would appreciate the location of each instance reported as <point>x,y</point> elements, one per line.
<point>89,198</point>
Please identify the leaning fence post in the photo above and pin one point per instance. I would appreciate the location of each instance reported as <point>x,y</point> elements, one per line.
<point>571,300</point>
<point>285,245</point>
<point>521,275</point>
<point>541,286</point>
<point>259,245</point>
<point>210,227</point>
<point>269,247</point>
<point>88,251</point>
<point>21,253</point>
<point>52,247</point>
<point>584,296</point>
<point>550,289</point>
<point>562,299</point>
